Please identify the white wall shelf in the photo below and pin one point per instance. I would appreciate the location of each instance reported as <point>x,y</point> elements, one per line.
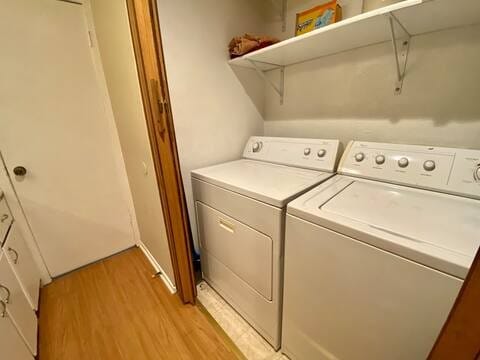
<point>396,23</point>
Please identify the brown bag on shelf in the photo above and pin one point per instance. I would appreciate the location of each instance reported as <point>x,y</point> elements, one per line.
<point>241,45</point>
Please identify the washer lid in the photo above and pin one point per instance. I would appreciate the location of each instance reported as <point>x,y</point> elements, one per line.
<point>452,223</point>
<point>439,230</point>
<point>271,183</point>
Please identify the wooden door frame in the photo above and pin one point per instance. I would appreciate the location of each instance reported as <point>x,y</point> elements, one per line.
<point>460,336</point>
<point>147,43</point>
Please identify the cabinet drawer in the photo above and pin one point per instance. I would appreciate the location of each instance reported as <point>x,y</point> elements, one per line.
<point>245,251</point>
<point>11,344</point>
<point>5,218</point>
<point>17,306</point>
<point>23,265</point>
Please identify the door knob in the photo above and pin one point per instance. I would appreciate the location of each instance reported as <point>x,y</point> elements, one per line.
<point>19,171</point>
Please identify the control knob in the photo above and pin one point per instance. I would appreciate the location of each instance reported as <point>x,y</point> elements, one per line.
<point>403,162</point>
<point>359,157</point>
<point>257,146</point>
<point>380,159</point>
<point>307,151</point>
<point>321,153</point>
<point>429,165</point>
<point>476,173</point>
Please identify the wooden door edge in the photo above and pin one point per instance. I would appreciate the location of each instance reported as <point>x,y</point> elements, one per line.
<point>180,248</point>
<point>460,336</point>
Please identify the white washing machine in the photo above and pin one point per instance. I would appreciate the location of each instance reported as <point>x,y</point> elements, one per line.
<point>375,257</point>
<point>240,208</point>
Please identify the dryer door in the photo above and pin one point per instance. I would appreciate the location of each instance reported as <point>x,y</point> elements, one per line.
<point>243,250</point>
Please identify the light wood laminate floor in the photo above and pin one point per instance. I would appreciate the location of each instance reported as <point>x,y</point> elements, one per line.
<point>113,309</point>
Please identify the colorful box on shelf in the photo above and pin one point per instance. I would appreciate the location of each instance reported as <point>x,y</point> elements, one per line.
<point>318,17</point>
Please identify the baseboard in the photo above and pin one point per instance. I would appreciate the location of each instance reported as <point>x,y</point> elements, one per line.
<point>157,267</point>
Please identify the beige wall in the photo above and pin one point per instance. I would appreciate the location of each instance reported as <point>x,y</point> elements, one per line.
<point>345,96</point>
<point>350,95</point>
<point>114,40</point>
<point>212,112</point>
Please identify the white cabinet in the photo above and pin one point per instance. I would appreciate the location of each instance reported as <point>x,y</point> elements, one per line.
<point>19,291</point>
<point>5,218</point>
<point>23,265</point>
<point>16,306</point>
<point>11,345</point>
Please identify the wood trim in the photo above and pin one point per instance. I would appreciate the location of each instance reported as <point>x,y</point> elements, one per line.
<point>460,336</point>
<point>152,75</point>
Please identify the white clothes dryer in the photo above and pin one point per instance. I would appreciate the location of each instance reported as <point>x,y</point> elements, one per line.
<point>240,209</point>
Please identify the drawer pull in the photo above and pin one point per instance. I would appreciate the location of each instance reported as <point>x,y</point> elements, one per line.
<point>4,218</point>
<point>226,226</point>
<point>5,289</point>
<point>3,313</point>
<point>15,260</point>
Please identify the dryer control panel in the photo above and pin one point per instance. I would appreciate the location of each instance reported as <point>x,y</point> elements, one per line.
<point>455,171</point>
<point>316,154</point>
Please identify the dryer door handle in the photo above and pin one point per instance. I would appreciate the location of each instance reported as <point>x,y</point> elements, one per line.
<point>226,226</point>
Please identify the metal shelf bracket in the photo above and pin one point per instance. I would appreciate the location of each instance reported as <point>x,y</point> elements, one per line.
<point>280,88</point>
<point>401,46</point>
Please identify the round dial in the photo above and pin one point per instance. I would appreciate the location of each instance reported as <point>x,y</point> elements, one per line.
<point>380,159</point>
<point>307,151</point>
<point>359,156</point>
<point>321,153</point>
<point>257,146</point>
<point>403,162</point>
<point>476,173</point>
<point>429,165</point>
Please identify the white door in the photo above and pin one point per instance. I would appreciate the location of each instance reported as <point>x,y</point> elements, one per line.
<point>54,126</point>
<point>11,345</point>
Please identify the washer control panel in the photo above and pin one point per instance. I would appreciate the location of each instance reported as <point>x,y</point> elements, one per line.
<point>450,170</point>
<point>314,154</point>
